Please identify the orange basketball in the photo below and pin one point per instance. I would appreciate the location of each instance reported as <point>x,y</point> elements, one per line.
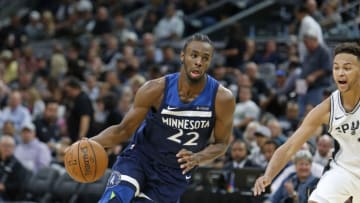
<point>86,161</point>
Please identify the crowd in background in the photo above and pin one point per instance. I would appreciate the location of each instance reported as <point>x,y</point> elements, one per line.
<point>88,80</point>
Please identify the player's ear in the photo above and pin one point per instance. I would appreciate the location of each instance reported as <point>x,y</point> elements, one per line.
<point>182,56</point>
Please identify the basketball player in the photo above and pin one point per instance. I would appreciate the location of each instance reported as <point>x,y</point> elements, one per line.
<point>341,112</point>
<point>172,120</point>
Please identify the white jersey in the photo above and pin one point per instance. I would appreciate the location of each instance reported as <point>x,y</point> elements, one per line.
<point>345,128</point>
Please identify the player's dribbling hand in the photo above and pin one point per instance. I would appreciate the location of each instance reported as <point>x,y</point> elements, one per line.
<point>261,184</point>
<point>187,160</point>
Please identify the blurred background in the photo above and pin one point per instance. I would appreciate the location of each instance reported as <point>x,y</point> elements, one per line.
<point>71,68</point>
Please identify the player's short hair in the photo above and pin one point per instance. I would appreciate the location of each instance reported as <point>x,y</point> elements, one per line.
<point>348,48</point>
<point>200,38</point>
<point>302,155</point>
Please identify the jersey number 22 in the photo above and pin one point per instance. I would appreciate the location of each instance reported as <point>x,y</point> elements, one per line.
<point>191,142</point>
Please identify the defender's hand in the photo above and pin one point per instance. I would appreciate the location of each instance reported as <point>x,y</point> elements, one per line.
<point>261,184</point>
<point>187,160</point>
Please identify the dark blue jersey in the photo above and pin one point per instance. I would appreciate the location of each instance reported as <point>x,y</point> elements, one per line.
<point>177,125</point>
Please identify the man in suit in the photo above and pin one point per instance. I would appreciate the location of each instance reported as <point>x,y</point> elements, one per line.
<point>239,153</point>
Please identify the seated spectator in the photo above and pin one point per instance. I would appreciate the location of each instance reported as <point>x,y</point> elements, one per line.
<point>12,173</point>
<point>297,187</point>
<point>34,29</point>
<point>47,129</point>
<point>32,153</point>
<point>276,132</point>
<point>9,129</point>
<point>246,110</point>
<point>239,159</point>
<point>323,152</point>
<point>262,135</point>
<point>15,111</point>
<point>170,26</point>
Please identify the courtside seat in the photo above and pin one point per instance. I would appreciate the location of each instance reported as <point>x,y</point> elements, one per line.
<point>65,189</point>
<point>39,186</point>
<point>91,192</point>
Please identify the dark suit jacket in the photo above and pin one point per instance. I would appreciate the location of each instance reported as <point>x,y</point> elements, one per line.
<point>248,164</point>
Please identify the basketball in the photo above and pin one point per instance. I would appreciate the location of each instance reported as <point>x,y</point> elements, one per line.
<point>86,161</point>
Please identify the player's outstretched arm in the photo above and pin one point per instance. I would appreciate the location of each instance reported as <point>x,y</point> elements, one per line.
<point>146,97</point>
<point>224,109</point>
<point>315,118</point>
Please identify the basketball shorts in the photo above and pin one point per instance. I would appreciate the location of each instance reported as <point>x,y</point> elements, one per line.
<point>150,181</point>
<point>336,185</point>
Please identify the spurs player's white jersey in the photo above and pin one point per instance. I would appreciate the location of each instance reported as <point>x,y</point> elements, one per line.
<point>345,128</point>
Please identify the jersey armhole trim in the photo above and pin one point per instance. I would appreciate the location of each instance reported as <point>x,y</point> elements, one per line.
<point>331,113</point>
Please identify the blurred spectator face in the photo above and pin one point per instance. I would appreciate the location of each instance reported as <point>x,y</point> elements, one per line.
<point>244,94</point>
<point>292,110</point>
<point>70,92</point>
<point>244,80</point>
<point>102,14</point>
<point>270,46</point>
<point>170,10</point>
<point>238,151</point>
<point>148,39</point>
<point>51,111</point>
<point>324,145</point>
<point>27,135</point>
<point>275,128</point>
<point>169,53</point>
<point>120,21</point>
<point>15,99</point>
<point>311,5</point>
<point>268,150</point>
<point>111,78</point>
<point>91,81</point>
<point>219,72</point>
<point>7,146</point>
<point>303,168</point>
<point>8,128</point>
<point>251,70</point>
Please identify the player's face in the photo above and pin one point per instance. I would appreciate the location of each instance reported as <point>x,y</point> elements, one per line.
<point>346,71</point>
<point>196,59</point>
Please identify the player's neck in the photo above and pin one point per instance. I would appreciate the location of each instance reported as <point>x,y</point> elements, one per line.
<point>350,99</point>
<point>189,90</point>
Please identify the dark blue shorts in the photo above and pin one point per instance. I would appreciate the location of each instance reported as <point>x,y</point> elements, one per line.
<point>150,180</point>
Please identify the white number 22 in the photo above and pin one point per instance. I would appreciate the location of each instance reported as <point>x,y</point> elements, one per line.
<point>191,142</point>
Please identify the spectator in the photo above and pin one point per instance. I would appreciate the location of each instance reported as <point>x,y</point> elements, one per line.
<point>81,113</point>
<point>306,23</point>
<point>313,10</point>
<point>11,66</point>
<point>239,156</point>
<point>316,72</point>
<point>261,92</point>
<point>262,135</point>
<point>102,22</point>
<point>268,150</point>
<point>170,26</point>
<point>12,173</point>
<point>323,150</point>
<point>170,62</point>
<point>297,187</point>
<point>246,110</point>
<point>34,29</point>
<point>332,17</point>
<point>47,128</point>
<point>49,24</point>
<point>270,55</point>
<point>15,111</point>
<point>235,46</point>
<point>32,153</point>
<point>276,132</point>
<point>9,129</point>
